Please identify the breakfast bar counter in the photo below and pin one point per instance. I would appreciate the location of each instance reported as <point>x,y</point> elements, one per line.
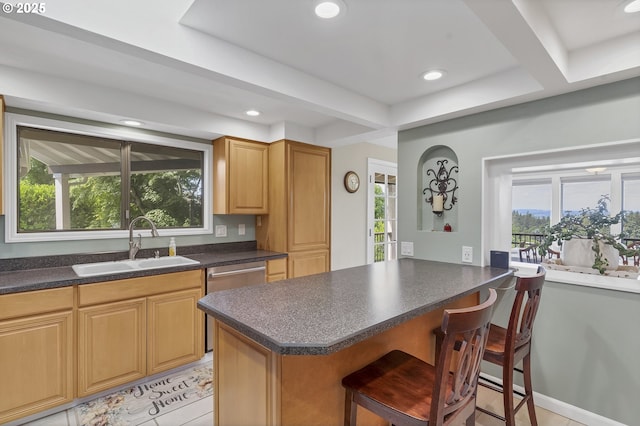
<point>282,348</point>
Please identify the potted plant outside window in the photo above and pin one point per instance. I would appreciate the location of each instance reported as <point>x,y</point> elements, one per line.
<point>592,225</point>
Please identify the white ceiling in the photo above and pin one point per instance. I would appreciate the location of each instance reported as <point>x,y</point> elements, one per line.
<point>192,67</point>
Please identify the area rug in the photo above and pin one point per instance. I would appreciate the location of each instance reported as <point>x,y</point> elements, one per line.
<point>143,402</point>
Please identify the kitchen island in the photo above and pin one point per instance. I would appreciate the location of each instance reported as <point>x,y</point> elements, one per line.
<point>282,348</point>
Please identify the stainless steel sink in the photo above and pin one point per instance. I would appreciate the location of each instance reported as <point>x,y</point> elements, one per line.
<point>121,266</point>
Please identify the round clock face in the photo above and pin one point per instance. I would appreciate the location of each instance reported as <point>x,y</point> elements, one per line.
<point>351,181</point>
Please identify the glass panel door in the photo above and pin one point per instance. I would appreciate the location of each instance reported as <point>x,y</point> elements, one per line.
<point>382,223</point>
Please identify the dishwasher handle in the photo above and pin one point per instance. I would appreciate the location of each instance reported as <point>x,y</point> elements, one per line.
<point>236,272</point>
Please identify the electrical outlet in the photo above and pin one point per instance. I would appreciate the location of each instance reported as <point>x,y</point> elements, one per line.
<point>241,229</point>
<point>467,254</point>
<point>406,248</point>
<point>221,230</point>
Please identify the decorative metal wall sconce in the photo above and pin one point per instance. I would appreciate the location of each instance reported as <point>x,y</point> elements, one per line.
<point>442,188</point>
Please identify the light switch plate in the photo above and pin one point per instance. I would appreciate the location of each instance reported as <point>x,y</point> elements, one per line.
<point>241,229</point>
<point>406,248</point>
<point>467,254</point>
<point>221,230</point>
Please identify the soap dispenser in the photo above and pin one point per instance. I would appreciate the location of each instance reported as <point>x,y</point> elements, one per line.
<point>172,247</point>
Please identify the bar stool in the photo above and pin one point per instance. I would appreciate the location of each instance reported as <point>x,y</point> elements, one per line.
<point>405,390</point>
<point>507,346</point>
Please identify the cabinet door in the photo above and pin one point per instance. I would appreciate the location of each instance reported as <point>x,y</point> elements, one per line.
<point>310,197</point>
<point>36,367</point>
<point>241,177</point>
<point>175,330</point>
<point>308,263</point>
<point>248,177</point>
<point>111,345</point>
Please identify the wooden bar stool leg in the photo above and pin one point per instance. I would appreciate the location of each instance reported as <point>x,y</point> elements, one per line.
<point>507,394</point>
<point>350,409</point>
<point>471,420</point>
<point>528,389</point>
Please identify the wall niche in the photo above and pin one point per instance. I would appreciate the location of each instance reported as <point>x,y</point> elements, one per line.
<point>438,190</point>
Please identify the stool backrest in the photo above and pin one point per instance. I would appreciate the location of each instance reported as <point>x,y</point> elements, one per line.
<point>524,310</point>
<point>465,333</point>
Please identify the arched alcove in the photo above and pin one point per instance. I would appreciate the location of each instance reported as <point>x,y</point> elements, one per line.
<point>437,175</point>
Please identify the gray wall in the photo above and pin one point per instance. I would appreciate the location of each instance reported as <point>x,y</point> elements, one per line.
<point>586,343</point>
<point>12,250</point>
<point>349,211</point>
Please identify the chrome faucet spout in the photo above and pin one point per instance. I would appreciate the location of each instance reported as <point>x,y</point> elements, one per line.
<point>134,246</point>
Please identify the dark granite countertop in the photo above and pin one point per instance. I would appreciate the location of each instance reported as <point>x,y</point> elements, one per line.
<point>28,274</point>
<point>324,313</point>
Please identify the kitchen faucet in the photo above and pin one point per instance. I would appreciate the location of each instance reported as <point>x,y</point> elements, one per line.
<point>134,246</point>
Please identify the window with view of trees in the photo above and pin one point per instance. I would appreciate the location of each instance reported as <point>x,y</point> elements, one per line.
<point>76,182</point>
<point>533,207</point>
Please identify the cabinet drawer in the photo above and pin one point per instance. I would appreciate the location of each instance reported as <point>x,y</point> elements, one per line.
<point>276,270</point>
<point>35,302</point>
<point>111,291</point>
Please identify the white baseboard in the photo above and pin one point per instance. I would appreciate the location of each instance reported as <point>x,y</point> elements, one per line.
<point>566,410</point>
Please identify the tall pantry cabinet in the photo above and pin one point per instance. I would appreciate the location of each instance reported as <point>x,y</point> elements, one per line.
<point>299,219</point>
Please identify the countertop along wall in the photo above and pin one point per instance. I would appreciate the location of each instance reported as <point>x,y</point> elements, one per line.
<point>585,346</point>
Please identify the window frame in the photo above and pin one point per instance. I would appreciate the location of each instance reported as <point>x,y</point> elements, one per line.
<point>107,131</point>
<point>497,177</point>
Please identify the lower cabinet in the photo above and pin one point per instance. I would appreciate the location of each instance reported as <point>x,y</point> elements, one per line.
<point>276,270</point>
<point>309,262</point>
<point>152,326</point>
<point>175,330</point>
<point>111,345</point>
<point>36,352</point>
<point>115,332</point>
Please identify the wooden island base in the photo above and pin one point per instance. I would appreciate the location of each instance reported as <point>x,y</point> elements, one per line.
<point>256,386</point>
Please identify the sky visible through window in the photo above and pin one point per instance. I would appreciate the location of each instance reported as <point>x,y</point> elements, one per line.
<point>581,194</point>
<point>532,197</point>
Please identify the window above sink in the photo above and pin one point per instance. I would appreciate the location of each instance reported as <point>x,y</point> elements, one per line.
<point>70,181</point>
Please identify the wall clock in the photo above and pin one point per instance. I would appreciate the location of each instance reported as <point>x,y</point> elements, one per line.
<point>351,181</point>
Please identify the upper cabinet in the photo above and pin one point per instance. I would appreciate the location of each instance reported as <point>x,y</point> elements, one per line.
<point>240,176</point>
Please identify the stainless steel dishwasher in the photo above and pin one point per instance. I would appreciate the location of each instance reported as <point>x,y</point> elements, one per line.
<point>228,277</point>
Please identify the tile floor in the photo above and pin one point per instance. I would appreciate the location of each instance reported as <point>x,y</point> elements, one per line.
<point>200,413</point>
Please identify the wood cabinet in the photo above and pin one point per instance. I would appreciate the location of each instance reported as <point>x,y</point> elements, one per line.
<point>36,352</point>
<point>175,330</point>
<point>299,221</point>
<point>111,345</point>
<point>308,262</point>
<point>240,176</point>
<point>276,270</point>
<point>131,328</point>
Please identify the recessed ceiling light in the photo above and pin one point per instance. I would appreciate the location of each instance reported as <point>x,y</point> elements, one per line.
<point>252,113</point>
<point>596,170</point>
<point>632,7</point>
<point>328,9</point>
<point>132,122</point>
<point>433,75</point>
